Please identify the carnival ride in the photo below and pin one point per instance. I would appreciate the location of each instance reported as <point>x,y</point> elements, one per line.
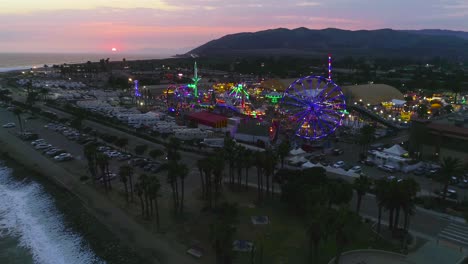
<point>313,107</point>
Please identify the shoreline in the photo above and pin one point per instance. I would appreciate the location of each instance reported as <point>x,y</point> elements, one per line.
<point>130,233</point>
<point>76,217</point>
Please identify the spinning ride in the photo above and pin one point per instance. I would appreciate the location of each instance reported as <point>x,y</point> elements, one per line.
<point>314,107</point>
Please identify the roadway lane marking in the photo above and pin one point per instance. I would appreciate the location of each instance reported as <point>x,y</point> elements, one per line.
<point>462,237</point>
<point>464,228</point>
<point>456,229</point>
<point>453,239</point>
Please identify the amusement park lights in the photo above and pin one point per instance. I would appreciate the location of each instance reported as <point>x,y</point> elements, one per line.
<point>137,92</point>
<point>274,96</point>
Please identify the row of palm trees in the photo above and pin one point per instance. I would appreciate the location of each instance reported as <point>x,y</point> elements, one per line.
<point>240,160</point>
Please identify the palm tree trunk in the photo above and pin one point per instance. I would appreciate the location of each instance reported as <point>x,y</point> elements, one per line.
<point>390,219</point>
<point>182,190</point>
<point>142,205</point>
<point>247,178</point>
<point>358,205</point>
<point>258,184</point>
<point>397,218</point>
<point>126,191</point>
<point>131,186</point>
<point>156,207</point>
<point>202,183</point>
<point>446,184</point>
<point>379,219</point>
<point>176,184</point>
<point>406,222</point>
<point>267,178</point>
<point>151,206</point>
<point>147,205</point>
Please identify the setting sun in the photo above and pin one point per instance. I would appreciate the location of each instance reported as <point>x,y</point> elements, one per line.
<point>114,49</point>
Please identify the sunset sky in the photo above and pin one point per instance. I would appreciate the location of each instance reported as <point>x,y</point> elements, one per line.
<point>177,26</point>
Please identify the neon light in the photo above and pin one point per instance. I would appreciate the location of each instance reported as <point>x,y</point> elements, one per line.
<point>195,79</point>
<point>137,92</point>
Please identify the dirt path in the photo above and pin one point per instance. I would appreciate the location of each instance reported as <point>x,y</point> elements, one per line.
<point>151,246</point>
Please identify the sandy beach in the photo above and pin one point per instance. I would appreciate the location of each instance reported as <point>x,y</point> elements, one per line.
<point>149,246</point>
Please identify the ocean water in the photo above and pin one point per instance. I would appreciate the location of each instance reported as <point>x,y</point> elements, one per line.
<point>32,228</point>
<point>21,61</point>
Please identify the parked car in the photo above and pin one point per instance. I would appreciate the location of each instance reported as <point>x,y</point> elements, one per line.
<point>9,125</point>
<point>37,141</point>
<point>54,152</point>
<point>339,164</point>
<point>63,157</point>
<point>356,169</point>
<point>337,151</point>
<point>325,163</point>
<point>387,168</point>
<point>43,146</point>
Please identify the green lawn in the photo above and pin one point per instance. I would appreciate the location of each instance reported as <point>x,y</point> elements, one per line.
<point>285,237</point>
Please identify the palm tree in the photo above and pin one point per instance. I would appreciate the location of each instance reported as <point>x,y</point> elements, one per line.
<point>449,167</point>
<point>228,150</point>
<point>139,192</point>
<point>217,169</point>
<point>183,172</point>
<point>381,196</point>
<point>124,175</point>
<point>283,151</point>
<point>200,165</point>
<point>102,161</point>
<point>239,162</point>
<point>90,152</point>
<point>346,226</point>
<point>259,164</point>
<point>124,179</point>
<point>316,230</point>
<point>154,189</point>
<point>173,170</point>
<point>361,185</point>
<point>18,111</point>
<point>410,189</point>
<point>366,136</point>
<point>248,162</point>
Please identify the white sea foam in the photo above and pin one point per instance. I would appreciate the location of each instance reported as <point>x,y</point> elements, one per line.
<point>29,213</point>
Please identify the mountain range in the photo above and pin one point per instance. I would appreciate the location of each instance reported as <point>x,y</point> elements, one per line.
<point>422,44</point>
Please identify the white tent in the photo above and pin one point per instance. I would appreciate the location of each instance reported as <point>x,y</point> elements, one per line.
<point>308,165</point>
<point>395,150</point>
<point>297,159</point>
<point>297,151</point>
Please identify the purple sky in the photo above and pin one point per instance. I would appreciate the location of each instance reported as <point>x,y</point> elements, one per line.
<point>177,26</point>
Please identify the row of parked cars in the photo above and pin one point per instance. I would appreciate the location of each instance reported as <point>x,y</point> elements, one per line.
<point>70,133</point>
<point>46,148</point>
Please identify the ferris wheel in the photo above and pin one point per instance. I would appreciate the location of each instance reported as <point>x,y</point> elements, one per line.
<point>313,106</point>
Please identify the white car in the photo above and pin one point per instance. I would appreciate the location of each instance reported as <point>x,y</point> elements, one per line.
<point>63,157</point>
<point>9,125</point>
<point>356,169</point>
<point>43,146</point>
<point>37,141</point>
<point>339,164</point>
